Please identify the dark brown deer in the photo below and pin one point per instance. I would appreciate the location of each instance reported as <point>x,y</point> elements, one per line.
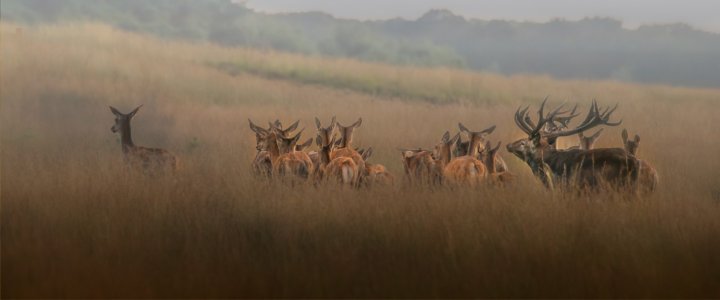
<point>575,167</point>
<point>649,178</point>
<point>149,159</point>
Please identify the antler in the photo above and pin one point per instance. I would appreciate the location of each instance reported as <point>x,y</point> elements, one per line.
<point>594,118</point>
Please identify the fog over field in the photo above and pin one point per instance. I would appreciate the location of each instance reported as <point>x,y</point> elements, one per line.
<point>698,13</point>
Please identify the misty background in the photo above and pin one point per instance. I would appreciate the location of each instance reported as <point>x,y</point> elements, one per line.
<point>663,42</point>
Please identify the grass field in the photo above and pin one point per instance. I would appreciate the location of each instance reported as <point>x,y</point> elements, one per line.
<point>76,223</point>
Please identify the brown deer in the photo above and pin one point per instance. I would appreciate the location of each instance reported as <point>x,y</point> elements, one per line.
<point>420,167</point>
<point>345,149</point>
<point>376,174</point>
<point>288,161</point>
<point>150,159</point>
<point>342,170</point>
<point>649,178</point>
<point>581,168</point>
<point>588,142</point>
<point>262,163</point>
<point>464,170</point>
<point>476,143</point>
<point>489,158</point>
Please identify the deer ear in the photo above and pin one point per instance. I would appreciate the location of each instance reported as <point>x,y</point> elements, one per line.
<point>637,138</point>
<point>292,127</point>
<point>318,141</point>
<point>445,137</point>
<point>367,153</point>
<point>489,130</point>
<point>305,144</point>
<point>597,134</point>
<point>116,112</point>
<point>624,135</point>
<point>132,113</point>
<point>455,139</point>
<point>317,122</point>
<point>357,124</point>
<point>463,128</point>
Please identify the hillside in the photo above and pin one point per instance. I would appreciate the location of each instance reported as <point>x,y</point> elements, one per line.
<point>593,48</point>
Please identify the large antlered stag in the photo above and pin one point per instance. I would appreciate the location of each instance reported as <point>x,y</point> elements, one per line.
<point>612,167</point>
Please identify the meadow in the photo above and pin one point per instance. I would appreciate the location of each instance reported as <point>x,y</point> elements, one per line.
<point>77,223</point>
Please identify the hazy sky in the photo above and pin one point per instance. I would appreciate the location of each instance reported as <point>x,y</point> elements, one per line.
<point>704,14</point>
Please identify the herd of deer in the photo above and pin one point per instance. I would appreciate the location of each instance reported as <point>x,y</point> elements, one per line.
<point>452,162</point>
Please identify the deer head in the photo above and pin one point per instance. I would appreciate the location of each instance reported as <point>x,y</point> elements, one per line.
<point>324,133</point>
<point>488,156</point>
<point>346,133</point>
<point>476,141</point>
<point>443,150</point>
<point>122,121</point>
<point>287,144</point>
<point>588,142</point>
<point>631,146</point>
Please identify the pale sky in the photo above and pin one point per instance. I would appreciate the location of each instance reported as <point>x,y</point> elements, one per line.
<point>702,14</point>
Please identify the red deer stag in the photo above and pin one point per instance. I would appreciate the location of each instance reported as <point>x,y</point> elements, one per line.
<point>649,178</point>
<point>581,168</point>
<point>150,159</point>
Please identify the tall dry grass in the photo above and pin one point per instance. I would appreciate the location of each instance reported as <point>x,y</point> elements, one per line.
<point>76,223</point>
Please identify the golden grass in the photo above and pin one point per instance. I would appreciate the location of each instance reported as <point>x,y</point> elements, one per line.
<point>75,223</point>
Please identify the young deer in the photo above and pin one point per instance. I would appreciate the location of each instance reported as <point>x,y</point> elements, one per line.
<point>377,174</point>
<point>262,163</point>
<point>489,158</point>
<point>588,142</point>
<point>288,161</point>
<point>420,167</point>
<point>465,170</point>
<point>343,170</point>
<point>648,177</point>
<point>345,148</point>
<point>147,158</point>
<point>573,167</point>
<point>476,143</point>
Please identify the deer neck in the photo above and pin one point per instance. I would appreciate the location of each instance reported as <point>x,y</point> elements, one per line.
<point>444,155</point>
<point>490,162</point>
<point>273,149</point>
<point>126,137</point>
<point>325,154</point>
<point>473,147</point>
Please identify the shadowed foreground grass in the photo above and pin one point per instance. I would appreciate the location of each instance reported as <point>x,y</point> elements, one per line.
<point>76,223</point>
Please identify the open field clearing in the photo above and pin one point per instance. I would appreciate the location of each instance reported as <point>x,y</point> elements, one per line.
<point>77,223</point>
